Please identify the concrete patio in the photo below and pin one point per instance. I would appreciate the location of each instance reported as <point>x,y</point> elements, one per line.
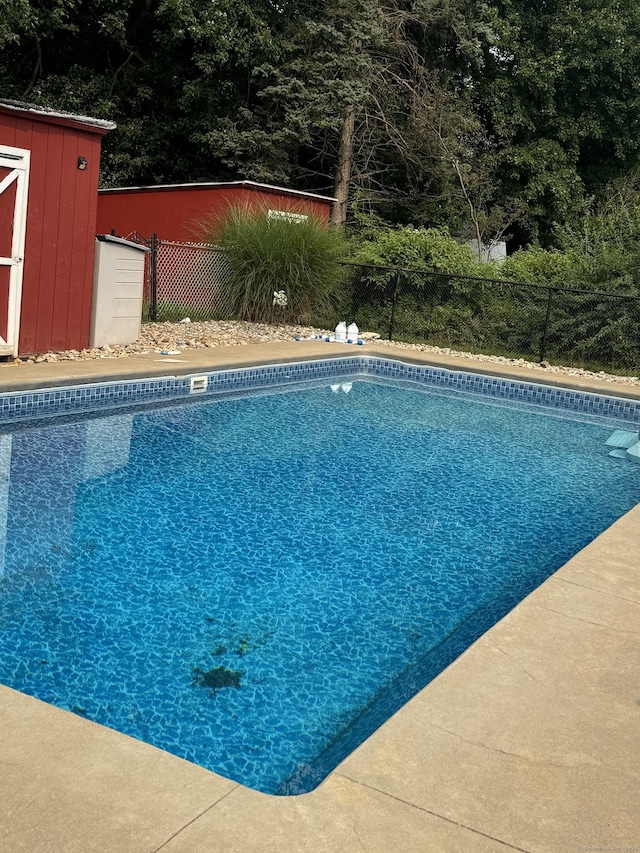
<point>529,741</point>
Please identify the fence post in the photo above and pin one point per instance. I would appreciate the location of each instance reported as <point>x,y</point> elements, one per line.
<point>393,304</point>
<point>153,261</point>
<point>543,345</point>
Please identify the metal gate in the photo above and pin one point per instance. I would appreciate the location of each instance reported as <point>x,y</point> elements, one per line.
<point>14,183</point>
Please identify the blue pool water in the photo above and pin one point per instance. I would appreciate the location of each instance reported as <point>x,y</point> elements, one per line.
<point>256,583</point>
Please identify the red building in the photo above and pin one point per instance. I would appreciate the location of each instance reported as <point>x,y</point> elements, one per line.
<point>175,212</point>
<point>49,164</point>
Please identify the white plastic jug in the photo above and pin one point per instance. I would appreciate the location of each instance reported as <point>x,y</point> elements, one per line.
<point>352,333</point>
<point>341,331</point>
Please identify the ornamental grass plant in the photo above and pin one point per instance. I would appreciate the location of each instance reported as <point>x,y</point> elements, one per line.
<point>268,254</point>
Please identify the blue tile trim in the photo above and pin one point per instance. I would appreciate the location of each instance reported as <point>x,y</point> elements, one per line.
<point>21,405</point>
<point>567,399</point>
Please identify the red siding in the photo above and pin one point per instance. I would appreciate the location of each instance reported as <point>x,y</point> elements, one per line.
<point>175,213</point>
<point>61,215</point>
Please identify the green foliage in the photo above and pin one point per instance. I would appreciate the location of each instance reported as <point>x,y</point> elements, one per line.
<point>405,274</point>
<point>545,178</point>
<point>600,249</point>
<point>15,18</point>
<point>605,243</point>
<point>164,71</point>
<point>542,266</point>
<point>501,317</point>
<point>509,115</point>
<point>560,88</point>
<point>595,330</point>
<point>243,88</point>
<point>298,97</point>
<point>267,255</point>
<point>415,248</point>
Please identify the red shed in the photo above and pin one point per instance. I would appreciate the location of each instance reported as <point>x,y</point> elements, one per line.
<point>49,163</point>
<point>175,211</point>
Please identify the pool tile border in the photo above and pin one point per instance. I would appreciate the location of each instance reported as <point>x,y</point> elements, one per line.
<point>17,406</point>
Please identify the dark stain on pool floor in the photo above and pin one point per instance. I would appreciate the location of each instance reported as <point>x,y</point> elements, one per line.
<point>216,678</point>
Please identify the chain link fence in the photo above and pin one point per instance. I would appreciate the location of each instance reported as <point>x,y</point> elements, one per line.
<point>580,328</point>
<point>191,281</point>
<point>576,327</point>
<point>184,280</point>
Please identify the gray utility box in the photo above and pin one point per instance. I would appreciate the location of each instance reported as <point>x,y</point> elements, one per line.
<point>118,279</point>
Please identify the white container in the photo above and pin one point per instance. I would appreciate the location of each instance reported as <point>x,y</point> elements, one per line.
<point>341,331</point>
<point>118,280</point>
<point>352,333</point>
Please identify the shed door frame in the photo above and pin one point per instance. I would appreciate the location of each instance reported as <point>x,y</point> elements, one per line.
<point>18,161</point>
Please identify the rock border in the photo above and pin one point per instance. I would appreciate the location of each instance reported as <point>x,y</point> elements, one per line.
<point>170,338</point>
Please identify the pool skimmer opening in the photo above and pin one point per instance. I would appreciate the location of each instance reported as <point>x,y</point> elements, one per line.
<point>198,384</point>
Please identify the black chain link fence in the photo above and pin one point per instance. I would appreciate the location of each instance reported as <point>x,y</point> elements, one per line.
<point>579,328</point>
<point>571,326</point>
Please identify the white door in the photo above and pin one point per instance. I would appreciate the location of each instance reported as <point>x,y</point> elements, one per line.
<point>14,185</point>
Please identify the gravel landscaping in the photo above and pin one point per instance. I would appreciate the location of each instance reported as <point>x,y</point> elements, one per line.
<point>174,337</point>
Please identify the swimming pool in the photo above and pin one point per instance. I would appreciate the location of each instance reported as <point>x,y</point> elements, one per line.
<point>256,583</point>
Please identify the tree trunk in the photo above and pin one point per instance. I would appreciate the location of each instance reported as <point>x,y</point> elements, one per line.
<point>472,208</point>
<point>343,170</point>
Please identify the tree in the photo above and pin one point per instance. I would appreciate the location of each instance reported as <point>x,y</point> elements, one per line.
<point>305,105</point>
<point>435,112</point>
<point>339,96</point>
<point>15,17</point>
<point>559,94</point>
<point>164,70</point>
<point>360,96</point>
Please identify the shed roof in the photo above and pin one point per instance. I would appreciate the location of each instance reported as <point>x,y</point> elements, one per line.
<point>38,113</point>
<point>212,185</point>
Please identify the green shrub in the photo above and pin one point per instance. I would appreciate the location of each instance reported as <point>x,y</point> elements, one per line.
<point>606,240</point>
<point>403,267</point>
<point>267,255</point>
<point>541,266</point>
<point>429,249</point>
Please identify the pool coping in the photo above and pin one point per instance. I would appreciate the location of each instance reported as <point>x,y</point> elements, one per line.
<point>27,376</point>
<point>149,383</point>
<point>527,741</point>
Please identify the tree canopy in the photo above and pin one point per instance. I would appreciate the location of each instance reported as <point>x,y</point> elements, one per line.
<point>501,115</point>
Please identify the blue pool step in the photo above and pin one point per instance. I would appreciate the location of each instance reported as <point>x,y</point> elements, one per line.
<point>618,453</point>
<point>622,438</point>
<point>626,445</point>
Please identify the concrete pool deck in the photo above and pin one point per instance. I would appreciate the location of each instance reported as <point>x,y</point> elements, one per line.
<point>529,741</point>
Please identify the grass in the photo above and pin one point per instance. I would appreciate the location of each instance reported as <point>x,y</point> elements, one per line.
<point>265,255</point>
